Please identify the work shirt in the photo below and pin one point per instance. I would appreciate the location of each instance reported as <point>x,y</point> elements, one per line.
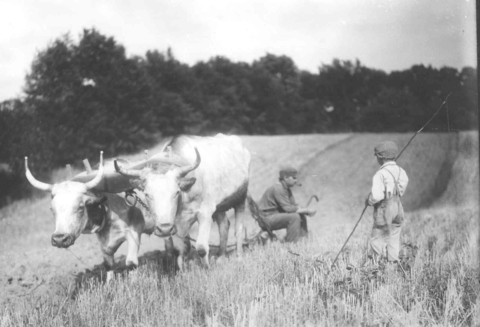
<point>383,182</point>
<point>278,198</point>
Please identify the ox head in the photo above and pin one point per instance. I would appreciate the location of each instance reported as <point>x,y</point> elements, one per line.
<point>72,204</point>
<point>163,190</point>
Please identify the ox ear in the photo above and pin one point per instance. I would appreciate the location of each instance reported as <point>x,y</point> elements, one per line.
<point>186,183</point>
<point>96,201</point>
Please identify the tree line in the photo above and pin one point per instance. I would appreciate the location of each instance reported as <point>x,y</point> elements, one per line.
<point>86,96</point>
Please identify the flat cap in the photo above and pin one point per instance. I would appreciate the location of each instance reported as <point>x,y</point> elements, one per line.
<point>386,150</point>
<point>287,171</point>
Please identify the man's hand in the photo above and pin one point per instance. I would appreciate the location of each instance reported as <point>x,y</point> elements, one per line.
<point>306,211</point>
<point>311,212</point>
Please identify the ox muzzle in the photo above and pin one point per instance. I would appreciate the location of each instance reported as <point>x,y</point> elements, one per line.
<point>164,230</point>
<point>62,240</point>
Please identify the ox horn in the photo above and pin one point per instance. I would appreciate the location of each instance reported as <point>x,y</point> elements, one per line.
<point>182,171</point>
<point>40,185</point>
<point>127,172</point>
<point>98,178</point>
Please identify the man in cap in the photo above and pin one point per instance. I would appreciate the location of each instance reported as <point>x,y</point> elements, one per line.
<point>280,208</point>
<point>388,186</point>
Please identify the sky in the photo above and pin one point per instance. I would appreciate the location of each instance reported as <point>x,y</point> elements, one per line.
<point>382,34</point>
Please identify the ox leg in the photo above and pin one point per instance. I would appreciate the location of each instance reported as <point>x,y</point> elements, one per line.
<point>204,227</point>
<point>110,242</point>
<point>174,252</point>
<point>222,222</point>
<point>169,249</point>
<point>182,245</point>
<point>181,240</point>
<point>239,235</point>
<point>108,262</point>
<point>133,242</point>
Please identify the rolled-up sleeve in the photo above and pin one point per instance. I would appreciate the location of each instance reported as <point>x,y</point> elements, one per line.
<point>378,189</point>
<point>403,182</point>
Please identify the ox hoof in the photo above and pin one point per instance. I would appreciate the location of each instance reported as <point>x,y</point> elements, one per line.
<point>110,276</point>
<point>131,264</point>
<point>201,252</point>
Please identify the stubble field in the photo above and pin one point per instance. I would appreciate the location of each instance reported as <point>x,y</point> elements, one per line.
<point>278,284</point>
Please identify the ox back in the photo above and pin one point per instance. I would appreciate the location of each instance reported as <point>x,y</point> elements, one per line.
<point>224,171</point>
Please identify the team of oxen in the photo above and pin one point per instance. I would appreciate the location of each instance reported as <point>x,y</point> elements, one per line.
<point>193,179</point>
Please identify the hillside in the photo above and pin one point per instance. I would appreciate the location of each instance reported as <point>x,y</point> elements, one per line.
<point>443,171</point>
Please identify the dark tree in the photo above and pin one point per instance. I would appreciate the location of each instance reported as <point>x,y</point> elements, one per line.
<point>90,97</point>
<point>86,96</point>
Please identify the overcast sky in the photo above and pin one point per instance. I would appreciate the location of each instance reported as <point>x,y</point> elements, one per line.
<point>382,34</point>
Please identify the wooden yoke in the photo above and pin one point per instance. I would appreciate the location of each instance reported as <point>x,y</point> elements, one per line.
<point>88,168</point>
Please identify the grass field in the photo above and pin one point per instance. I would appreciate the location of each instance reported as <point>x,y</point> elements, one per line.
<point>278,284</point>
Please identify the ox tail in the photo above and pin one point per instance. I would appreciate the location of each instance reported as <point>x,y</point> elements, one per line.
<point>259,216</point>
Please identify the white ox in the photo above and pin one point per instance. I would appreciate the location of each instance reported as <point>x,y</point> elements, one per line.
<point>80,208</point>
<point>210,176</point>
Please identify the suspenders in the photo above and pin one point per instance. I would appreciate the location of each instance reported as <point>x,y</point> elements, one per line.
<point>396,189</point>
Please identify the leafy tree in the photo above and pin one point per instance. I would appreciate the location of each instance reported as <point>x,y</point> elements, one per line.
<point>346,87</point>
<point>20,137</point>
<point>392,110</point>
<point>168,73</point>
<point>90,97</point>
<point>284,69</point>
<point>225,95</point>
<point>463,107</point>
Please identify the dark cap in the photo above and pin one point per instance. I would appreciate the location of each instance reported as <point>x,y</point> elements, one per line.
<point>287,172</point>
<point>386,150</point>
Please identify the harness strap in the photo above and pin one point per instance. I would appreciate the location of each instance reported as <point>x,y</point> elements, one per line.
<point>396,189</point>
<point>97,228</point>
<point>133,194</point>
<point>104,220</point>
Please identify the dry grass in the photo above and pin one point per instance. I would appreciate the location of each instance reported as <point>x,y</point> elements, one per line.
<point>270,286</point>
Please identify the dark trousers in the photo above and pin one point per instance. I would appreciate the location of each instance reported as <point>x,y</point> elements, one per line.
<point>295,224</point>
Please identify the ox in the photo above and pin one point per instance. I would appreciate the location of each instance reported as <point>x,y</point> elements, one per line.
<point>210,176</point>
<point>80,208</point>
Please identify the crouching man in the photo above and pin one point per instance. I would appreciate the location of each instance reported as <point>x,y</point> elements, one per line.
<point>280,209</point>
<point>389,184</point>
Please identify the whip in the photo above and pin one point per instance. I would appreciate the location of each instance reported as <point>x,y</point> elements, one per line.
<point>366,205</point>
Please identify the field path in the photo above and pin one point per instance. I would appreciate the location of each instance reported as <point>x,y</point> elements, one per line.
<point>341,176</point>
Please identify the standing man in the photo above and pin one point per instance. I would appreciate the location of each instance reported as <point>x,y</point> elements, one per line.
<point>389,184</point>
<point>280,209</point>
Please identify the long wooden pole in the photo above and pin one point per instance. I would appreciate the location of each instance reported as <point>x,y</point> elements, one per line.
<point>428,122</point>
<point>344,244</point>
<point>436,112</point>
